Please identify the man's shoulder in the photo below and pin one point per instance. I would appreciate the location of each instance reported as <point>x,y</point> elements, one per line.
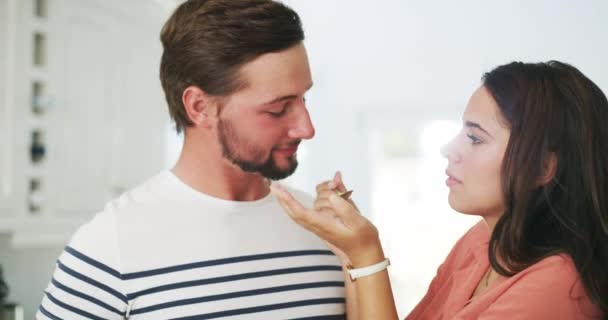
<point>152,190</point>
<point>103,226</point>
<point>304,197</point>
<point>100,229</point>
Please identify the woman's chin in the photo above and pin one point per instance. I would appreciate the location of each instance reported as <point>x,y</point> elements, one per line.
<point>461,206</point>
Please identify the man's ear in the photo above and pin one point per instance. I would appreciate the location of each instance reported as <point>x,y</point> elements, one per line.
<point>202,109</point>
<point>549,169</point>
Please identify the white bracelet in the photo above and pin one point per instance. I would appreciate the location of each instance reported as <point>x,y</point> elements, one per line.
<point>366,271</point>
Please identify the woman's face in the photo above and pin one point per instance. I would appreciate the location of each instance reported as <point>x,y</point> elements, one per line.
<point>475,158</point>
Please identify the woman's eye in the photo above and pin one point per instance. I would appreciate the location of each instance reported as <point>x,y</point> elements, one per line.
<point>474,139</point>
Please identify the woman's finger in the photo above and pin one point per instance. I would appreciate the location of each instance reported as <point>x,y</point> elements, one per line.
<point>287,201</point>
<point>322,203</point>
<point>338,183</point>
<point>322,223</point>
<point>345,210</point>
<point>325,185</point>
<point>324,194</point>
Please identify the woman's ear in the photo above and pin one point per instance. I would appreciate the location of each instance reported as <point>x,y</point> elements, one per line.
<point>200,107</point>
<point>549,169</point>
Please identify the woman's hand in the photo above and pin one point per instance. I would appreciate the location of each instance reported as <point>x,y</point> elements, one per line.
<point>336,221</point>
<point>326,188</point>
<point>332,186</point>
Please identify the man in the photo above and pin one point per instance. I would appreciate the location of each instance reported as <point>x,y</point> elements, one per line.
<point>207,240</point>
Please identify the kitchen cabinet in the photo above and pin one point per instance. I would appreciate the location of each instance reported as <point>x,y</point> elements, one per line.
<point>83,113</point>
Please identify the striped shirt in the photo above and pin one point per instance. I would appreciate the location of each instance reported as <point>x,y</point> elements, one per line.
<point>166,251</point>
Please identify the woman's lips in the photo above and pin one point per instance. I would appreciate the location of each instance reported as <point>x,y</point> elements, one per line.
<point>451,180</point>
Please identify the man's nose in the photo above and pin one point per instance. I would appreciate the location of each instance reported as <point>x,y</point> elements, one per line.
<point>303,127</point>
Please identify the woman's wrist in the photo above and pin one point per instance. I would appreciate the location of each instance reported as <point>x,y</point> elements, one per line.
<point>368,256</point>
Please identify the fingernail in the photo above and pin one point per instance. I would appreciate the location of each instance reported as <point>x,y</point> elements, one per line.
<point>333,198</point>
<point>275,189</point>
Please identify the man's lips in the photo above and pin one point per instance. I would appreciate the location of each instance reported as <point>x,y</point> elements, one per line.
<point>288,150</point>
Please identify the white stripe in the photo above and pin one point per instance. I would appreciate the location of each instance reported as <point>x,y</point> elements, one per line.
<point>260,299</point>
<point>81,304</point>
<point>85,288</point>
<point>291,313</point>
<point>90,271</point>
<point>59,311</point>
<point>240,285</point>
<point>41,316</point>
<point>255,301</point>
<point>230,269</point>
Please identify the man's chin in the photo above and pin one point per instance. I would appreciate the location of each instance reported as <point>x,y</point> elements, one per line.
<point>280,172</point>
<point>275,169</point>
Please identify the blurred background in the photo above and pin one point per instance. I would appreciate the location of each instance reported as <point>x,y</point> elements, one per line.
<point>83,116</point>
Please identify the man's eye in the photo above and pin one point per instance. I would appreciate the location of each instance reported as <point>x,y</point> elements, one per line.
<point>278,113</point>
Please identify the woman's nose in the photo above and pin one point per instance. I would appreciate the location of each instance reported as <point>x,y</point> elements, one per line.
<point>449,151</point>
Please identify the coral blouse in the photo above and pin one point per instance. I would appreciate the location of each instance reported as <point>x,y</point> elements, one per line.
<point>549,289</point>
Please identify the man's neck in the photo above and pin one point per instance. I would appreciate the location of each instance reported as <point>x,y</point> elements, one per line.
<point>209,172</point>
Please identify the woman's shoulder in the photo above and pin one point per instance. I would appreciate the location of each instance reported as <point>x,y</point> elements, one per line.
<point>552,281</point>
<point>558,270</point>
<point>471,247</point>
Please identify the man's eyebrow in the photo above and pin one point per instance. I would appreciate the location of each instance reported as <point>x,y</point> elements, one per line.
<point>472,124</point>
<point>283,98</point>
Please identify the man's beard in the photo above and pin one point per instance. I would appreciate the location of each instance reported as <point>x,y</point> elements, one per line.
<point>266,167</point>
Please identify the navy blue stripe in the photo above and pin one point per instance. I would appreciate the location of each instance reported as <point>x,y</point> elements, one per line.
<point>92,262</point>
<point>239,294</point>
<point>71,308</point>
<point>86,297</point>
<point>48,313</point>
<point>328,317</point>
<point>271,307</point>
<point>92,282</point>
<point>235,277</point>
<point>194,265</point>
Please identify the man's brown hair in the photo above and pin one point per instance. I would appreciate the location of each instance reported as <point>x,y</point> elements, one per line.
<point>205,42</point>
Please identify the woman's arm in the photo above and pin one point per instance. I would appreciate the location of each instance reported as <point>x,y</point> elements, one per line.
<point>374,293</point>
<point>338,222</point>
<point>350,289</point>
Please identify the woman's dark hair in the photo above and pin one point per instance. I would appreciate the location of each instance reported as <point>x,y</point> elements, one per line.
<point>205,43</point>
<point>553,112</point>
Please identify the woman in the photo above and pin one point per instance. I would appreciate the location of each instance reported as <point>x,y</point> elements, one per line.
<point>532,161</point>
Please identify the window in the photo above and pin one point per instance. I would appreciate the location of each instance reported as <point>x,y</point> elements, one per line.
<point>409,202</point>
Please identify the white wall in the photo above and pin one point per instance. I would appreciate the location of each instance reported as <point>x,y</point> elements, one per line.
<point>3,133</point>
<point>2,54</point>
<point>428,55</point>
<point>411,51</point>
